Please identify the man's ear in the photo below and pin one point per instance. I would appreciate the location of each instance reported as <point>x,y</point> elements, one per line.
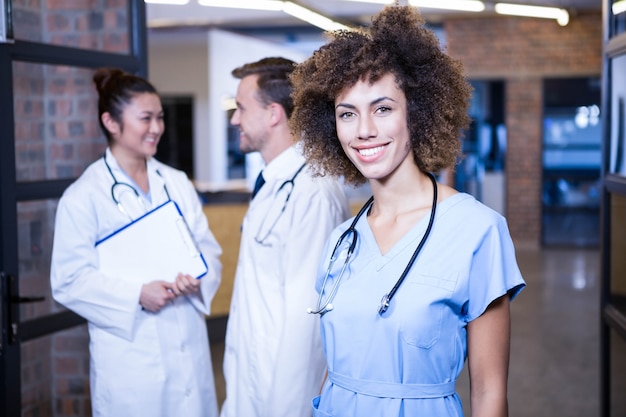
<point>111,125</point>
<point>277,113</point>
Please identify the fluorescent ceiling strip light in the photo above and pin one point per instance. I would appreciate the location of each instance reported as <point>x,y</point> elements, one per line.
<point>374,1</point>
<point>461,5</point>
<point>274,5</point>
<point>619,7</point>
<point>560,15</point>
<point>311,17</point>
<point>288,7</point>
<point>175,2</point>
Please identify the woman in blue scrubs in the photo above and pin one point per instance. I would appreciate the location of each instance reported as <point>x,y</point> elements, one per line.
<point>387,106</point>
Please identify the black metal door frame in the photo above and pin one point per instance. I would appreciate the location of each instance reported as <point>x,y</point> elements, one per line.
<point>14,331</point>
<point>612,316</point>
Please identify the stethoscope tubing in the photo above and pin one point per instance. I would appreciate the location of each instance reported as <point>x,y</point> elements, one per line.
<point>384,304</point>
<point>261,241</point>
<point>291,181</point>
<point>321,309</point>
<point>117,183</point>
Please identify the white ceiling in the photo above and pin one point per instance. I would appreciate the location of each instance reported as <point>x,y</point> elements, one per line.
<point>355,12</point>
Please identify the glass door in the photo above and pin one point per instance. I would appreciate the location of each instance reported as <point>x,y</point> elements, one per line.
<point>48,111</point>
<point>613,289</point>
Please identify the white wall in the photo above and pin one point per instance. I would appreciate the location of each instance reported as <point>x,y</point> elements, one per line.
<point>493,191</point>
<point>226,52</point>
<point>200,64</point>
<point>178,65</point>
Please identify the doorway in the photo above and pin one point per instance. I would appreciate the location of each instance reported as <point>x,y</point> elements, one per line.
<point>176,144</point>
<point>481,171</point>
<point>572,142</point>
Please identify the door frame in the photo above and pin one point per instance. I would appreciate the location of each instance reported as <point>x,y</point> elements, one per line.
<point>14,332</point>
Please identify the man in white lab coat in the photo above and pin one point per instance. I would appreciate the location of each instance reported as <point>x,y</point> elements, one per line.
<point>273,361</point>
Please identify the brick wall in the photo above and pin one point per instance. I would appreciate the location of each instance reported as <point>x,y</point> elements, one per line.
<point>522,52</point>
<point>56,136</point>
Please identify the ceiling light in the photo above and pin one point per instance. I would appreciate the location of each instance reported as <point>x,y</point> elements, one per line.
<point>274,5</point>
<point>560,15</point>
<point>288,7</point>
<point>176,2</point>
<point>374,1</point>
<point>311,17</point>
<point>462,5</point>
<point>619,7</point>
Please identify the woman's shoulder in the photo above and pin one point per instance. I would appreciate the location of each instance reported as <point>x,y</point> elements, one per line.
<point>180,187</point>
<point>90,178</point>
<point>466,207</point>
<point>342,227</point>
<point>169,171</point>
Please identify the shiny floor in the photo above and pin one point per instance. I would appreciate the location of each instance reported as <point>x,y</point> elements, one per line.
<point>555,359</point>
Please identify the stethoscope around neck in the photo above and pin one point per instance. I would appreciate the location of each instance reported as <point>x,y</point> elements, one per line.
<point>261,237</point>
<point>118,184</point>
<point>324,307</point>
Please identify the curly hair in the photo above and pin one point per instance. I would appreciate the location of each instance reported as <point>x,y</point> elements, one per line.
<point>397,43</point>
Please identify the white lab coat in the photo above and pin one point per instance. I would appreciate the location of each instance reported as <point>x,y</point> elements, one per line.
<point>142,364</point>
<point>273,361</point>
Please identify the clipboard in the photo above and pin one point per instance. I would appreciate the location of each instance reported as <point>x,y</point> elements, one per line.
<point>156,246</point>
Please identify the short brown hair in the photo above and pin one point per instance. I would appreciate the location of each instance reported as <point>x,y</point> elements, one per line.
<point>397,43</point>
<point>273,81</point>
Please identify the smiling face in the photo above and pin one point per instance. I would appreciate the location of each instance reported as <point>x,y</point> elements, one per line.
<point>140,129</point>
<point>371,122</point>
<point>251,116</point>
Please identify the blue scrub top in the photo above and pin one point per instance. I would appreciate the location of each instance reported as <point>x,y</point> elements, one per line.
<point>406,362</point>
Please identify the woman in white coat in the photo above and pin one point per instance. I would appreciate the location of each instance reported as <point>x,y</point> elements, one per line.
<point>148,341</point>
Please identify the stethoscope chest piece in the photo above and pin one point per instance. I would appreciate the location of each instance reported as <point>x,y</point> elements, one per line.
<point>126,197</point>
<point>384,304</point>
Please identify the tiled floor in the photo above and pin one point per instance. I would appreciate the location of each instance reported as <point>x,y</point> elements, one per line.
<point>554,369</point>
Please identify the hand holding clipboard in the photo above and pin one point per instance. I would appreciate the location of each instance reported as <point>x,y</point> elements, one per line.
<point>156,246</point>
